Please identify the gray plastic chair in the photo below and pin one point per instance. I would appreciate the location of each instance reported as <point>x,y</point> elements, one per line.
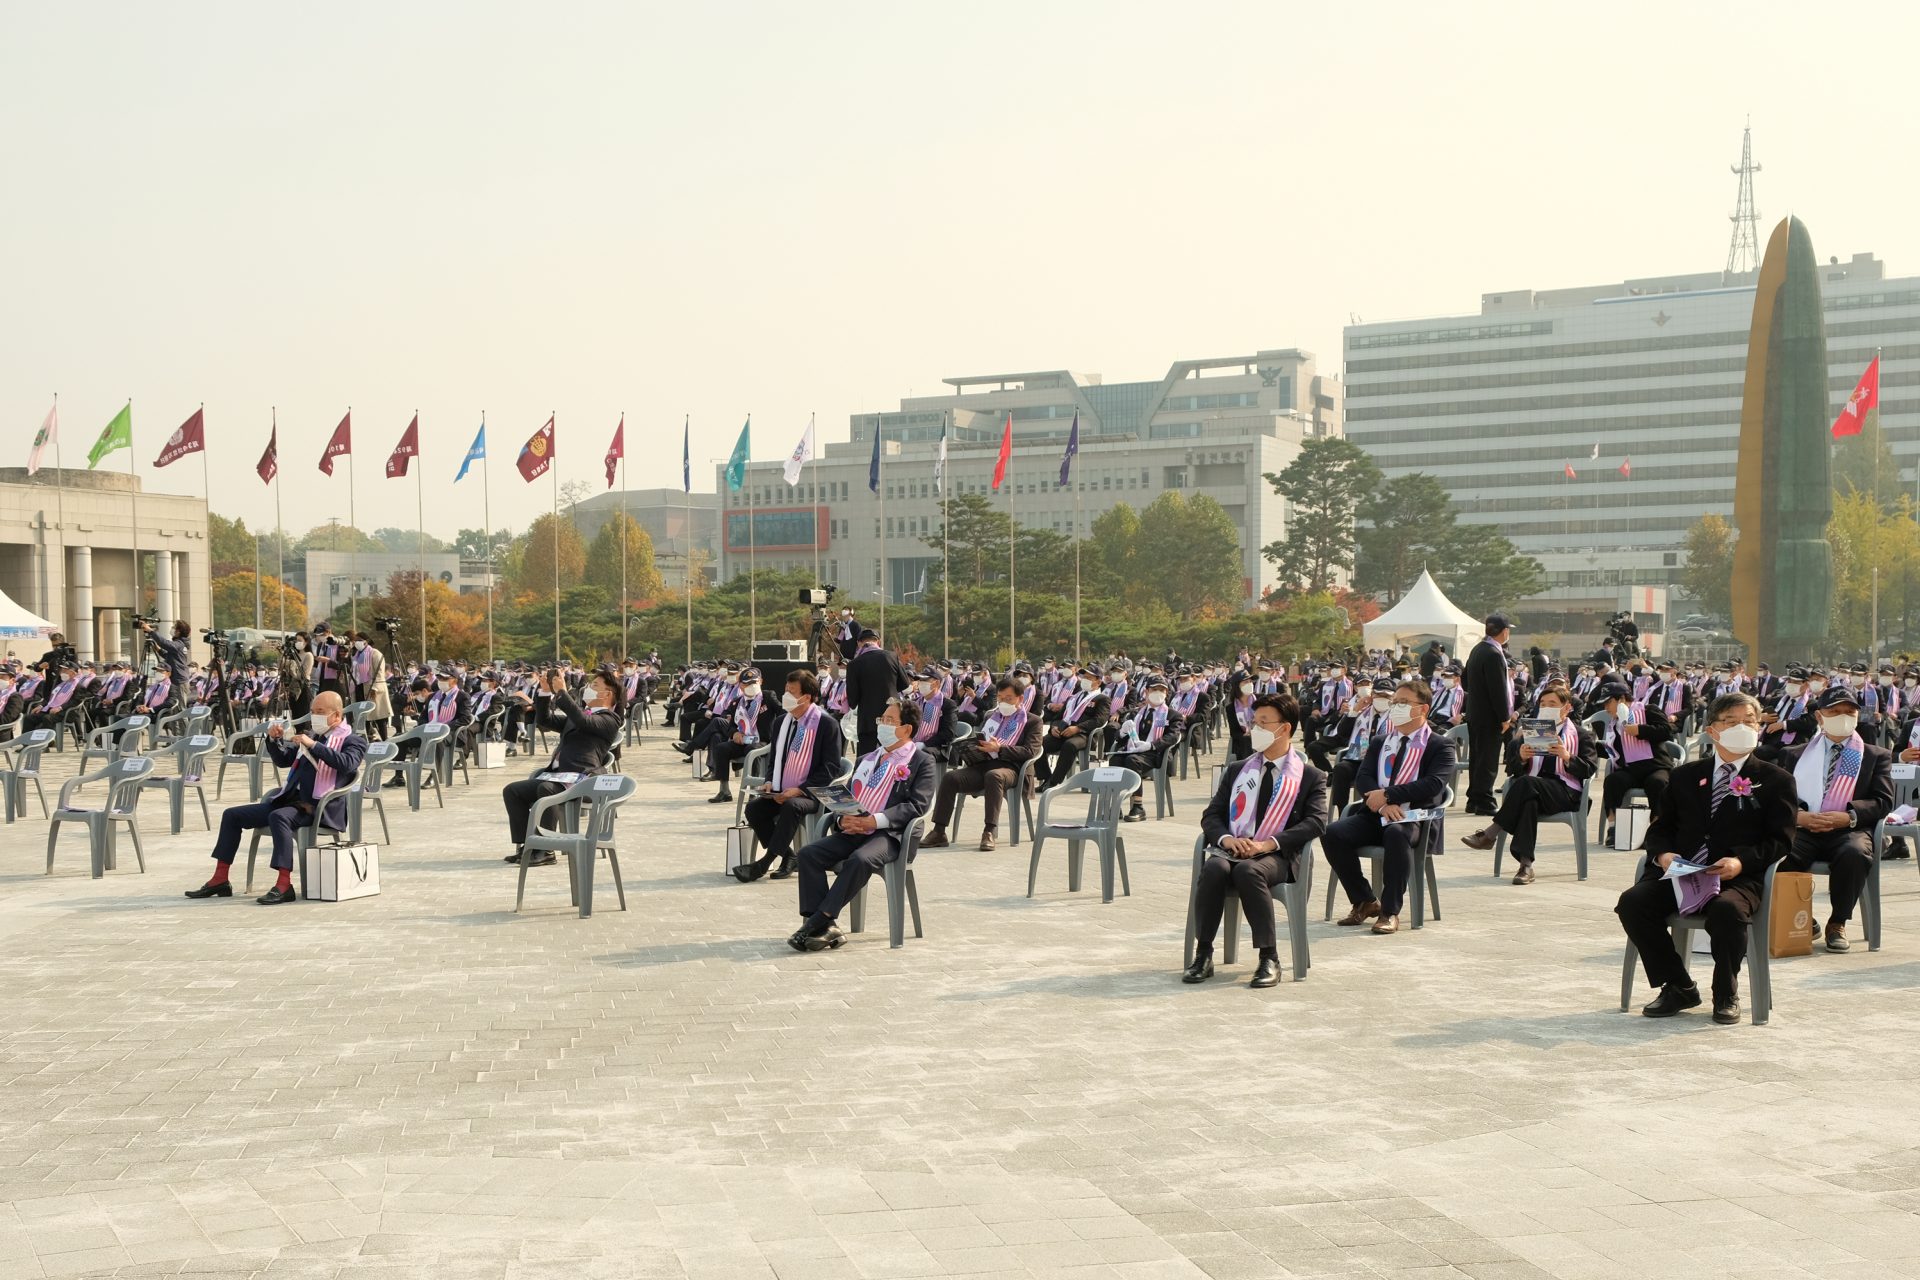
<point>1019,799</point>
<point>903,894</point>
<point>19,765</point>
<point>595,802</point>
<point>424,769</point>
<point>190,723</point>
<point>756,770</point>
<point>190,757</point>
<point>379,755</point>
<point>1462,744</point>
<point>1422,880</point>
<point>355,714</point>
<point>116,741</point>
<point>1163,776</point>
<point>814,825</point>
<point>1106,797</point>
<point>1759,976</point>
<point>304,838</point>
<point>1576,819</point>
<point>124,779</point>
<point>1293,898</point>
<point>254,759</point>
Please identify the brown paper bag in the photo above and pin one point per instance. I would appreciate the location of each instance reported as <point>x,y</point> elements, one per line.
<point>1790,929</point>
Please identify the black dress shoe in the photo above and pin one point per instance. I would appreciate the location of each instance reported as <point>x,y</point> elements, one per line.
<point>1268,974</point>
<point>720,798</point>
<point>1898,849</point>
<point>683,748</point>
<point>1200,970</point>
<point>748,872</point>
<point>542,858</point>
<point>782,871</point>
<point>1726,1012</point>
<point>512,857</point>
<point>1672,999</point>
<point>1135,815</point>
<point>211,890</point>
<point>276,895</point>
<point>829,939</point>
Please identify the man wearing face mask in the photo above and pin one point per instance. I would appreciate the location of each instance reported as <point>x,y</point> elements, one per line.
<point>1334,691</point>
<point>1632,737</point>
<point>807,750</point>
<point>1146,735</point>
<point>1733,813</point>
<point>713,722</point>
<point>1406,769</point>
<point>1845,789</point>
<point>1489,712</point>
<point>893,785</point>
<point>1791,722</point>
<point>989,765</point>
<point>367,670</point>
<point>936,711</point>
<point>588,731</point>
<point>1266,811</point>
<point>442,702</point>
<point>1367,725</point>
<point>752,720</point>
<point>1541,783</point>
<point>1071,728</point>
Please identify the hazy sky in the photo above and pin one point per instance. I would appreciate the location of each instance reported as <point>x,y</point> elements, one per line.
<point>717,209</point>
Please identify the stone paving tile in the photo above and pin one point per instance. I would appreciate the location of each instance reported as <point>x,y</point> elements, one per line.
<point>425,1083</point>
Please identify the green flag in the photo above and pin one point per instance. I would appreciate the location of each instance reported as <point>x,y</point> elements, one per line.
<point>118,435</point>
<point>737,464</point>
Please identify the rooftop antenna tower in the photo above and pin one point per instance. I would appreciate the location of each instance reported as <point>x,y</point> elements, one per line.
<point>1743,255</point>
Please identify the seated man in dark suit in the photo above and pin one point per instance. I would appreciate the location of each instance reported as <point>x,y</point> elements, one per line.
<point>751,721</point>
<point>938,712</point>
<point>1070,729</point>
<point>316,762</point>
<point>1845,788</point>
<point>893,785</point>
<point>1734,813</point>
<point>1541,783</point>
<point>990,764</point>
<point>1632,738</point>
<point>1406,769</point>
<point>1150,729</point>
<point>588,731</point>
<point>1366,725</point>
<point>1266,811</point>
<point>808,749</point>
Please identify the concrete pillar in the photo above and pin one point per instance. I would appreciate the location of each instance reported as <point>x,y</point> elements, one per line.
<point>163,590</point>
<point>108,626</point>
<point>180,600</point>
<point>79,626</point>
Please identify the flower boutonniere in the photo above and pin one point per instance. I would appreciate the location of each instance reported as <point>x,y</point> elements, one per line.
<point>1740,786</point>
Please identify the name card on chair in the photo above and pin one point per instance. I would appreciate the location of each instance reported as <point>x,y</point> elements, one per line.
<point>607,782</point>
<point>200,740</point>
<point>1105,774</point>
<point>1906,772</point>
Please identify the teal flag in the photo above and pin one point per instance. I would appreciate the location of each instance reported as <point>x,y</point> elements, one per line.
<point>737,464</point>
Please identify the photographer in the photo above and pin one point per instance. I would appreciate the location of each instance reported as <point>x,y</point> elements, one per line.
<point>587,736</point>
<point>59,655</point>
<point>296,674</point>
<point>173,656</point>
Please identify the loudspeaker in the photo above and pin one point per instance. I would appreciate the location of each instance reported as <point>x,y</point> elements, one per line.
<point>779,651</point>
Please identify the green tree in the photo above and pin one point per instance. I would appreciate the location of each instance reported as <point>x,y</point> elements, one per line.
<point>1187,555</point>
<point>337,537</point>
<point>472,544</point>
<point>1482,572</point>
<point>230,547</point>
<point>1116,533</point>
<point>975,538</point>
<point>1708,575</point>
<point>233,597</point>
<point>642,579</point>
<point>1409,525</point>
<point>407,541</point>
<point>1323,487</point>
<point>1865,464</point>
<point>549,541</point>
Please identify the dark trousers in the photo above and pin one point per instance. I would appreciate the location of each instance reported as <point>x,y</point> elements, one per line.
<point>520,797</point>
<point>1649,776</point>
<point>1645,909</point>
<point>1320,751</point>
<point>1340,783</point>
<point>1250,878</point>
<point>858,857</point>
<point>867,730</point>
<point>1060,756</point>
<point>1849,857</point>
<point>974,780</point>
<point>716,729</point>
<point>1484,742</point>
<point>45,720</point>
<point>774,822</point>
<point>1342,842</point>
<point>279,819</point>
<point>722,755</point>
<point>1142,763</point>
<point>1528,799</point>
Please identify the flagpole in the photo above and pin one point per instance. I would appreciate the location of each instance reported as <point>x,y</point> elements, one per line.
<point>60,481</point>
<point>1077,658</point>
<point>753,536</point>
<point>258,597</point>
<point>1012,539</point>
<point>946,583</point>
<point>686,528</point>
<point>623,535</point>
<point>554,537</point>
<point>353,557</point>
<point>486,517</point>
<point>131,450</point>
<point>420,508</point>
<point>279,533</point>
<point>880,452</point>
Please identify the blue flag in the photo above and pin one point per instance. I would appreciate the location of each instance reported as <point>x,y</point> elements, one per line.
<point>737,464</point>
<point>474,454</point>
<point>873,467</point>
<point>1073,447</point>
<point>686,455</point>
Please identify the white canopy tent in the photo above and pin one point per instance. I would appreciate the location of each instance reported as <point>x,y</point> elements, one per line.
<point>17,623</point>
<point>1425,614</point>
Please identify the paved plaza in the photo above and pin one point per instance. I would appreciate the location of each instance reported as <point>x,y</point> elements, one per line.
<point>425,1084</point>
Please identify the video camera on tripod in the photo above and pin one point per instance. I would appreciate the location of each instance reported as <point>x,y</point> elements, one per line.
<point>390,625</point>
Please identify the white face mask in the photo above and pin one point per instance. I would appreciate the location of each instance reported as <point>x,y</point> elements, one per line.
<point>1246,688</point>
<point>1381,704</point>
<point>1910,682</point>
<point>902,733</point>
<point>1815,686</point>
<point>1839,727</point>
<point>750,690</point>
<point>1157,698</point>
<point>1086,686</point>
<point>1259,738</point>
<point>1010,705</point>
<point>1794,687</point>
<point>1188,684</point>
<point>1551,713</point>
<point>1739,739</point>
<point>1886,682</point>
<point>925,687</point>
<point>1398,714</point>
<point>733,679</point>
<point>358,645</point>
<point>790,701</point>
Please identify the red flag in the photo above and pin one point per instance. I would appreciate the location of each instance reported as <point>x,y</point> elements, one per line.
<point>618,449</point>
<point>536,455</point>
<point>1006,453</point>
<point>190,438</point>
<point>1864,400</point>
<point>406,450</point>
<point>269,464</point>
<point>342,442</point>
<point>1626,467</point>
<point>1571,474</point>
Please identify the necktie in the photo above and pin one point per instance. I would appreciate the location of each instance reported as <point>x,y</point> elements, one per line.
<point>1833,762</point>
<point>1722,785</point>
<point>1266,794</point>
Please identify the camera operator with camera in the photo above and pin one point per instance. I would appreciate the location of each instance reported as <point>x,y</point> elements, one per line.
<point>59,655</point>
<point>172,654</point>
<point>588,729</point>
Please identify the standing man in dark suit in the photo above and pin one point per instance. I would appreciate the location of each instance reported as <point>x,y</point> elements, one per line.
<point>1734,812</point>
<point>807,752</point>
<point>1266,811</point>
<point>893,785</point>
<point>1406,769</point>
<point>874,677</point>
<point>588,731</point>
<point>1488,713</point>
<point>1541,783</point>
<point>317,761</point>
<point>1845,788</point>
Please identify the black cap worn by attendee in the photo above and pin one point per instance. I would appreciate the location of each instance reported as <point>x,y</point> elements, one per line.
<point>1497,622</point>
<point>1838,696</point>
<point>868,633</point>
<point>1610,689</point>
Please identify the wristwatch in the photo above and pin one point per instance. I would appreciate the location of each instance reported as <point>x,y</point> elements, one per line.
<point>1853,819</point>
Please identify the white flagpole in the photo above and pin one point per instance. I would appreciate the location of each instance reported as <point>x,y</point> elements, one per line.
<point>420,504</point>
<point>137,575</point>
<point>753,581</point>
<point>353,557</point>
<point>60,480</point>
<point>486,516</point>
<point>1013,531</point>
<point>623,535</point>
<point>554,533</point>
<point>946,584</point>
<point>813,458</point>
<point>880,452</point>
<point>280,533</point>
<point>1076,565</point>
<point>686,528</point>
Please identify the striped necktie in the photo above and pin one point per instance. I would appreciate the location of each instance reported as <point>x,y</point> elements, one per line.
<point>1833,762</point>
<point>1722,785</point>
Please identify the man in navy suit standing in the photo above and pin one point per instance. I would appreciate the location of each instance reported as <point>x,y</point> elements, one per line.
<point>1407,768</point>
<point>316,762</point>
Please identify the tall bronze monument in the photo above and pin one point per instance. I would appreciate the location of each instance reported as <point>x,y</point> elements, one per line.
<point>1782,567</point>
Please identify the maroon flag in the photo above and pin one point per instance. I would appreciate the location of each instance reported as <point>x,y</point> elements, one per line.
<point>618,449</point>
<point>190,437</point>
<point>536,455</point>
<point>406,450</point>
<point>269,464</point>
<point>342,442</point>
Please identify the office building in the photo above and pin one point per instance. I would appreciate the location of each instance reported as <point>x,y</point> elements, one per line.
<point>681,525</point>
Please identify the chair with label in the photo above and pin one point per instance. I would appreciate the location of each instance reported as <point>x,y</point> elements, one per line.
<point>1759,976</point>
<point>115,741</point>
<point>248,750</point>
<point>1175,737</point>
<point>193,721</point>
<point>1422,880</point>
<point>379,755</point>
<point>306,837</point>
<point>756,770</point>
<point>1019,799</point>
<point>356,715</point>
<point>19,765</point>
<point>1575,819</point>
<point>593,803</point>
<point>1906,792</point>
<point>1106,791</point>
<point>424,769</point>
<point>1460,739</point>
<point>124,779</point>
<point>903,895</point>
<point>1293,898</point>
<point>190,759</point>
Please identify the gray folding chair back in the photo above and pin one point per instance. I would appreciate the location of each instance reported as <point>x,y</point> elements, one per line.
<point>1174,738</point>
<point>190,756</point>
<point>424,769</point>
<point>756,770</point>
<point>1106,791</point>
<point>1459,737</point>
<point>116,741</point>
<point>1293,897</point>
<point>1906,791</point>
<point>195,720</point>
<point>125,781</point>
<point>596,801</point>
<point>903,893</point>
<point>1575,818</point>
<point>19,765</point>
<point>356,714</point>
<point>379,756</point>
<point>1423,882</point>
<point>247,749</point>
<point>1759,975</point>
<point>1019,801</point>
<point>305,838</point>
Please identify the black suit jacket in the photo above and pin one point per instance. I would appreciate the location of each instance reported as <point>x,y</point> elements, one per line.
<point>1092,716</point>
<point>1586,758</point>
<point>586,737</point>
<point>1872,793</point>
<point>829,749</point>
<point>1426,788</point>
<point>873,676</point>
<point>1485,681</point>
<point>1654,730</point>
<point>298,788</point>
<point>1011,755</point>
<point>1756,829</point>
<point>911,797</point>
<point>1304,824</point>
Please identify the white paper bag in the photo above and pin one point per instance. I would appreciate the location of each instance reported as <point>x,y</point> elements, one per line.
<point>341,872</point>
<point>490,755</point>
<point>739,848</point>
<point>1630,826</point>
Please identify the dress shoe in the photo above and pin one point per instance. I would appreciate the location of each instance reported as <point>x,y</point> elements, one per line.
<point>798,938</point>
<point>748,872</point>
<point>512,752</point>
<point>1482,839</point>
<point>211,890</point>
<point>1898,849</point>
<point>782,871</point>
<point>512,857</point>
<point>1361,913</point>
<point>934,839</point>
<point>1523,874</point>
<point>1268,974</point>
<point>683,748</point>
<point>832,938</point>
<point>276,895</point>
<point>986,842</point>
<point>1200,970</point>
<point>1837,937</point>
<point>541,858</point>
<point>1606,841</point>
<point>1387,924</point>
<point>1135,815</point>
<point>1672,999</point>
<point>720,797</point>
<point>1726,1012</point>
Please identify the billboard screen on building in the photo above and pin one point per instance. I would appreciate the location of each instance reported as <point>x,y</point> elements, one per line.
<point>778,529</point>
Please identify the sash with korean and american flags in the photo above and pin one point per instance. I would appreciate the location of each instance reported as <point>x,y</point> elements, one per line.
<point>874,777</point>
<point>1244,806</point>
<point>1407,764</point>
<point>1005,726</point>
<point>1570,739</point>
<point>931,708</point>
<point>799,758</point>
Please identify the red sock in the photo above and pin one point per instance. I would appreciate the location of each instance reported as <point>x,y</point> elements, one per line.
<point>285,881</point>
<point>221,870</point>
